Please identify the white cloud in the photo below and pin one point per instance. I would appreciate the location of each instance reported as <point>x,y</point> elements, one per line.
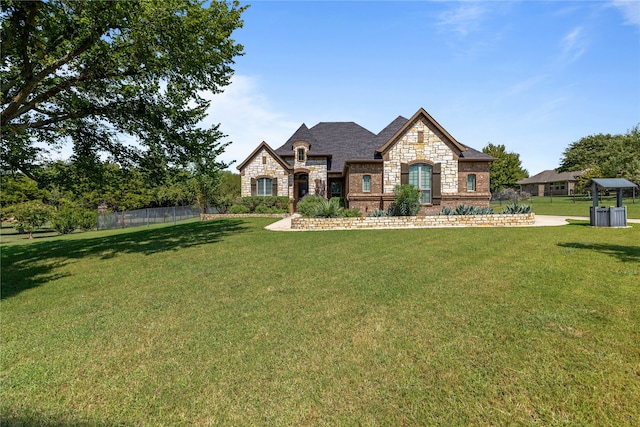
<point>630,9</point>
<point>464,19</point>
<point>246,116</point>
<point>574,44</point>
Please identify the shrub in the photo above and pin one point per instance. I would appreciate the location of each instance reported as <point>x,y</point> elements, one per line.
<point>279,203</point>
<point>64,220</point>
<point>466,210</point>
<point>514,208</point>
<point>378,213</point>
<point>308,205</point>
<point>510,194</point>
<point>407,200</point>
<point>86,219</point>
<point>263,209</point>
<point>447,211</point>
<point>351,213</point>
<point>328,208</point>
<point>31,215</point>
<point>484,211</point>
<point>238,209</point>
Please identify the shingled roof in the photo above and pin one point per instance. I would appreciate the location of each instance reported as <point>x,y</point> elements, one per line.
<point>343,140</point>
<point>350,141</point>
<point>551,175</point>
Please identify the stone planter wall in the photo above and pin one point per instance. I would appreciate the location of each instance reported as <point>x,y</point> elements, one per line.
<point>495,220</point>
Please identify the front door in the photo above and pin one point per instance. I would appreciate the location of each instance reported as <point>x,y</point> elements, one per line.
<point>300,188</point>
<point>302,182</point>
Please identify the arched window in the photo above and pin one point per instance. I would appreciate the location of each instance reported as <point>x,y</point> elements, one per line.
<point>366,184</point>
<point>420,177</point>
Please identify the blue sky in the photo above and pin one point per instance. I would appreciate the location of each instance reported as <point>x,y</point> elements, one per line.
<point>534,76</point>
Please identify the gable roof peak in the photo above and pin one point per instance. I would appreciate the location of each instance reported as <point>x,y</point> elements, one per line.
<point>431,123</point>
<point>270,151</point>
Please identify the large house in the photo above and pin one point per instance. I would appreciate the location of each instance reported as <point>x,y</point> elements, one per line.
<point>343,159</point>
<point>550,183</point>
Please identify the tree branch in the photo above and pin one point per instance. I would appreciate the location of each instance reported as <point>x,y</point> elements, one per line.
<point>11,111</point>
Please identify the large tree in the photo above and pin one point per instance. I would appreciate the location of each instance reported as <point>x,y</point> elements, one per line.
<point>99,74</point>
<point>506,169</point>
<point>605,155</point>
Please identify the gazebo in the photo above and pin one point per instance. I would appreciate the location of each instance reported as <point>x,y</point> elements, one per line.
<point>611,216</point>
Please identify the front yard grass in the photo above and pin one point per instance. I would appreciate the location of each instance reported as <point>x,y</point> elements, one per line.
<point>223,322</point>
<point>570,206</point>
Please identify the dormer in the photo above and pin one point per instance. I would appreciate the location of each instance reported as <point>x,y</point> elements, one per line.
<point>300,151</point>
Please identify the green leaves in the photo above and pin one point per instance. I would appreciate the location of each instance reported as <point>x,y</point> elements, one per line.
<point>31,215</point>
<point>407,200</point>
<point>605,155</point>
<point>86,72</point>
<point>506,170</point>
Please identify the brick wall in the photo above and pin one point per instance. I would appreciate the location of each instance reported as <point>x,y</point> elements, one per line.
<point>357,197</point>
<point>495,220</point>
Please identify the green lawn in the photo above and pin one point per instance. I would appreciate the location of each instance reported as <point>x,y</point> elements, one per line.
<point>226,323</point>
<point>570,206</point>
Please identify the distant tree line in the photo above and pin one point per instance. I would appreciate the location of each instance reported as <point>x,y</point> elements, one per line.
<point>67,193</point>
<point>605,156</point>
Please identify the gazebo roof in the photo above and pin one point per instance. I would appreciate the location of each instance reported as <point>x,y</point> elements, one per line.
<point>612,183</point>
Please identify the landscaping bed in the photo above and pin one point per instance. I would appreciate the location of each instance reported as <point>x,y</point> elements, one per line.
<point>436,221</point>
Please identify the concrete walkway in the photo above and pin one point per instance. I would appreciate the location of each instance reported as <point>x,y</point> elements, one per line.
<point>541,221</point>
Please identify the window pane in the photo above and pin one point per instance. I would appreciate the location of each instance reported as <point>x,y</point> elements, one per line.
<point>264,186</point>
<point>413,175</point>
<point>366,183</point>
<point>336,188</point>
<point>420,177</point>
<point>471,182</point>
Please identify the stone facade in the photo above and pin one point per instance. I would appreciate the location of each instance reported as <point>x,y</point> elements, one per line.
<point>345,152</point>
<point>317,176</point>
<point>437,221</point>
<point>430,148</point>
<point>264,165</point>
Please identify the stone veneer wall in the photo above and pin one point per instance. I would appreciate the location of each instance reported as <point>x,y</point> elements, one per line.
<point>317,170</point>
<point>433,149</point>
<point>270,168</point>
<point>495,220</point>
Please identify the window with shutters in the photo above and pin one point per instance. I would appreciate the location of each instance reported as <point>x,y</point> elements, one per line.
<point>420,177</point>
<point>264,186</point>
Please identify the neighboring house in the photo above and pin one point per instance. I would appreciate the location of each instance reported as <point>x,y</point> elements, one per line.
<point>550,183</point>
<point>343,159</point>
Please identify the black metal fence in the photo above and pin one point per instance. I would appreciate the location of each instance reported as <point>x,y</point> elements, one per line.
<point>145,217</point>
